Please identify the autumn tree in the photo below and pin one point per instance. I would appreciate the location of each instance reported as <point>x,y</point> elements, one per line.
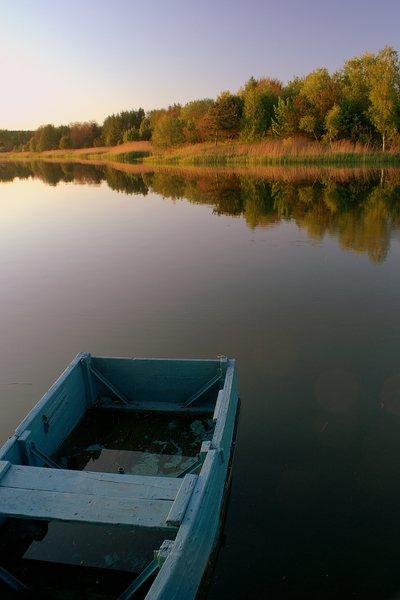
<point>83,135</point>
<point>194,115</point>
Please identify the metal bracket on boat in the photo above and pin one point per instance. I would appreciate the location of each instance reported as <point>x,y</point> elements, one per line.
<point>140,580</point>
<point>12,581</point>
<point>201,456</point>
<point>202,390</point>
<point>205,446</point>
<point>160,556</point>
<point>165,550</point>
<point>195,465</point>
<point>222,359</point>
<point>27,447</point>
<point>110,386</point>
<point>42,456</point>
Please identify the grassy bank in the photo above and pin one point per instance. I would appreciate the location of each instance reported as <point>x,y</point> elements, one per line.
<point>133,156</point>
<point>131,152</point>
<point>278,153</point>
<point>290,152</point>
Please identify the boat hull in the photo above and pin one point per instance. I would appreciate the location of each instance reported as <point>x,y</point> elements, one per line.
<point>186,504</point>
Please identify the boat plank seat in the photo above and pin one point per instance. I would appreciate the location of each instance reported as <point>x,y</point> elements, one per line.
<point>93,498</point>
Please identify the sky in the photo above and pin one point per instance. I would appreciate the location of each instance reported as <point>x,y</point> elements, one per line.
<point>79,60</point>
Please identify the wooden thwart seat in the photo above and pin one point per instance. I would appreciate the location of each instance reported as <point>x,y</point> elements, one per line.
<point>94,498</point>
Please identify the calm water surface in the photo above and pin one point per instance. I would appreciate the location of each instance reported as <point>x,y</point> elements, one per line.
<point>297,278</point>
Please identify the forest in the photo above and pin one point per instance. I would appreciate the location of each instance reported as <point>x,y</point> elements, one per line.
<point>359,103</point>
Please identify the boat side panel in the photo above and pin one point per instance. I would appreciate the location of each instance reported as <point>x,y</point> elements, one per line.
<point>156,381</point>
<point>51,420</point>
<point>223,410</point>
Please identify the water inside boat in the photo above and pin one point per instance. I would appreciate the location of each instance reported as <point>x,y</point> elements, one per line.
<point>113,441</point>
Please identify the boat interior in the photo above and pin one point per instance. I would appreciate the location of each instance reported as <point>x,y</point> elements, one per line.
<point>110,432</point>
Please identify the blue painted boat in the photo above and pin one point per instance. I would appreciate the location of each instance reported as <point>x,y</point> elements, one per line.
<point>181,497</point>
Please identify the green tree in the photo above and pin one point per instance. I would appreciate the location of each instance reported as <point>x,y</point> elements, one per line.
<point>384,79</point>
<point>309,124</point>
<point>33,144</point>
<point>145,129</point>
<point>65,142</point>
<point>115,126</point>
<point>224,117</point>
<point>49,138</point>
<point>168,132</point>
<point>131,135</point>
<point>355,84</point>
<point>6,141</point>
<point>321,90</point>
<point>149,123</point>
<point>254,120</point>
<point>318,94</point>
<point>259,100</point>
<point>285,122</point>
<point>333,122</point>
<point>18,141</point>
<point>112,131</point>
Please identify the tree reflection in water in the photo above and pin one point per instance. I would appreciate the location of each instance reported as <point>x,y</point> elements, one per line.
<point>358,207</point>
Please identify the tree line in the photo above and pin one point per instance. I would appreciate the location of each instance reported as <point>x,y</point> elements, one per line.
<point>360,103</point>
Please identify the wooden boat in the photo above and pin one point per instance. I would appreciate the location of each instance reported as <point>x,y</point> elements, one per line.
<point>43,482</point>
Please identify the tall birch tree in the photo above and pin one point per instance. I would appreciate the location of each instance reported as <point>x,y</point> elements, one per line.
<point>384,80</point>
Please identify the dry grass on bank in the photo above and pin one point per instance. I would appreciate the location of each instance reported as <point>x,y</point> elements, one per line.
<point>296,146</point>
<point>120,149</point>
<point>295,150</point>
<point>268,173</point>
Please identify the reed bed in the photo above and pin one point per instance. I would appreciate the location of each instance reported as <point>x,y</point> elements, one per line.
<point>292,152</point>
<point>127,152</point>
<point>288,173</point>
<point>288,152</point>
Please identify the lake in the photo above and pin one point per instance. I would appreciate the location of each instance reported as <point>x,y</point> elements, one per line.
<point>295,274</point>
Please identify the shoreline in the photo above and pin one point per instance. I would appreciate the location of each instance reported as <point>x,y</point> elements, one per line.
<point>230,154</point>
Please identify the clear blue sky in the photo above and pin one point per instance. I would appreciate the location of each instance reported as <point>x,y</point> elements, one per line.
<point>77,60</point>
